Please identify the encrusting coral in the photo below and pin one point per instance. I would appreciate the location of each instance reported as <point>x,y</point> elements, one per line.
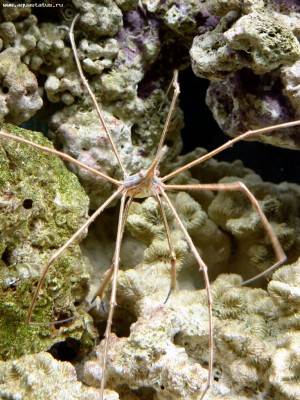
<point>128,50</point>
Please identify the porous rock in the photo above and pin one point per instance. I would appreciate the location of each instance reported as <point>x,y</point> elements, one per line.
<point>19,97</point>
<point>42,205</point>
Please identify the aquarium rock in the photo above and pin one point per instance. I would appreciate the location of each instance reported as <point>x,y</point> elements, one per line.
<point>19,97</point>
<point>252,61</point>
<point>42,205</point>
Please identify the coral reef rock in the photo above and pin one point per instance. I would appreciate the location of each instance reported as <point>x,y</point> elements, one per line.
<point>224,226</point>
<point>42,205</point>
<point>41,377</point>
<point>252,57</point>
<point>19,98</point>
<point>250,324</point>
<point>166,350</point>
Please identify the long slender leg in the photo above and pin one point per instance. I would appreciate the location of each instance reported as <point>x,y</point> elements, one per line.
<point>92,96</point>
<point>70,241</point>
<point>60,155</point>
<point>240,186</point>
<point>172,254</point>
<point>112,303</point>
<point>203,268</point>
<point>226,145</point>
<point>171,110</point>
<point>160,149</point>
<point>175,78</point>
<point>107,279</point>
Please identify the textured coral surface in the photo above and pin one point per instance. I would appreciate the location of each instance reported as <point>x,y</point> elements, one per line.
<point>42,205</point>
<point>128,49</point>
<point>256,340</point>
<point>42,377</point>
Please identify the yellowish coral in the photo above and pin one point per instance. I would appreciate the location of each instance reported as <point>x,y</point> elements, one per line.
<point>41,377</point>
<point>285,369</point>
<point>252,353</point>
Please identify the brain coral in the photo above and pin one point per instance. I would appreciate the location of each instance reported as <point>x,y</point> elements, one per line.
<point>166,349</point>
<point>40,376</point>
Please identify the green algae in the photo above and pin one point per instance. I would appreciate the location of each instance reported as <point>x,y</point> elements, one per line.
<point>42,204</point>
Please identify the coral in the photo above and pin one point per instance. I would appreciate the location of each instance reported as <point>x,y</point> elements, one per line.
<point>211,57</point>
<point>285,367</point>
<point>116,67</point>
<point>261,34</point>
<point>42,205</point>
<point>223,7</point>
<point>284,290</point>
<point>150,356</point>
<point>41,377</point>
<point>122,45</point>
<point>98,57</point>
<point>26,36</point>
<point>168,343</point>
<point>7,33</point>
<point>248,322</point>
<point>290,76</point>
<point>145,223</point>
<point>180,16</point>
<point>79,133</point>
<point>267,39</point>
<point>232,213</point>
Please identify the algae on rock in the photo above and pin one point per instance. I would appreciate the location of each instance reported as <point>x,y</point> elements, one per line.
<point>20,100</point>
<point>42,205</point>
